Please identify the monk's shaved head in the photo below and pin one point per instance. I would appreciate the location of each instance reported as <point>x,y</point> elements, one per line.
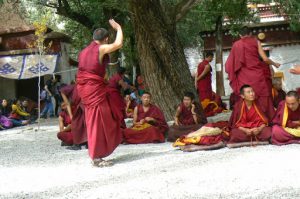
<point>242,89</point>
<point>292,100</point>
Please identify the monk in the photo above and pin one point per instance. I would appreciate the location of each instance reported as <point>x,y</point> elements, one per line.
<point>278,94</point>
<point>65,134</point>
<point>286,122</point>
<point>248,124</point>
<point>75,110</point>
<point>115,84</point>
<point>130,105</point>
<point>103,129</point>
<point>244,67</point>
<point>149,124</point>
<point>188,118</point>
<point>203,78</point>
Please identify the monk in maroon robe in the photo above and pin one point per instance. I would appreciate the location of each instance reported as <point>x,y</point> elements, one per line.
<point>203,78</point>
<point>75,110</point>
<point>278,94</point>
<point>65,134</point>
<point>189,117</point>
<point>248,122</point>
<point>130,105</point>
<point>103,127</point>
<point>149,124</point>
<point>287,121</point>
<point>115,84</point>
<point>244,67</point>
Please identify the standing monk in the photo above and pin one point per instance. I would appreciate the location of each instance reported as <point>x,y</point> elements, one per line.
<point>149,124</point>
<point>244,67</point>
<point>248,123</point>
<point>203,78</point>
<point>75,110</point>
<point>115,84</point>
<point>287,121</point>
<point>103,130</point>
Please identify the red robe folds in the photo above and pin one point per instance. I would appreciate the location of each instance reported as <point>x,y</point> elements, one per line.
<point>114,91</point>
<point>204,85</point>
<point>149,133</point>
<point>187,123</point>
<point>244,67</point>
<point>78,120</point>
<point>242,117</point>
<point>103,128</point>
<point>283,118</point>
<point>66,136</point>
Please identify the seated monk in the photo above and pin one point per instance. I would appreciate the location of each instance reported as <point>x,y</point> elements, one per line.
<point>248,124</point>
<point>278,94</point>
<point>188,118</point>
<point>65,134</point>
<point>130,105</point>
<point>149,124</point>
<point>286,123</point>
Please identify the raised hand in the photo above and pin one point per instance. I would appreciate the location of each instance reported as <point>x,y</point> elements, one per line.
<point>114,24</point>
<point>295,70</point>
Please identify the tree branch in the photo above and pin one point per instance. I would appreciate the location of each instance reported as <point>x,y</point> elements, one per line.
<point>183,7</point>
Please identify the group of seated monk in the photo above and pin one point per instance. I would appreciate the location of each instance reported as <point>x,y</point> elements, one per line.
<point>248,125</point>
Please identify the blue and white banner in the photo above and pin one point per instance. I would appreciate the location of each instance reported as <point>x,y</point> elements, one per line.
<point>27,66</point>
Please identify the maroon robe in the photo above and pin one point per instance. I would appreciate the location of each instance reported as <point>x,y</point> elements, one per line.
<point>242,117</point>
<point>279,135</point>
<point>66,136</point>
<point>244,67</point>
<point>78,120</point>
<point>152,134</point>
<point>187,123</point>
<point>114,90</point>
<point>204,85</point>
<point>103,129</point>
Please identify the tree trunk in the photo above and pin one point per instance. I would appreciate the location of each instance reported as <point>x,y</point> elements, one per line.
<point>161,57</point>
<point>219,57</point>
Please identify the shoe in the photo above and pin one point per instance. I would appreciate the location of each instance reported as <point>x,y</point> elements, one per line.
<point>74,147</point>
<point>64,144</point>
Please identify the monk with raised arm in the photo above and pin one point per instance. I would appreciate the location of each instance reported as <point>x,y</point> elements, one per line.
<point>245,67</point>
<point>248,124</point>
<point>149,124</point>
<point>286,123</point>
<point>103,130</point>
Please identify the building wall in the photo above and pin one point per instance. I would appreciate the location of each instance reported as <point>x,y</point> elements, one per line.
<point>7,88</point>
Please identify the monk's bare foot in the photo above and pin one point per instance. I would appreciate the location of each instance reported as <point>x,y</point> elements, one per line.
<point>246,144</point>
<point>102,163</point>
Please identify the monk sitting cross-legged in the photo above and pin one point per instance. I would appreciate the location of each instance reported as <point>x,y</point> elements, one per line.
<point>286,129</point>
<point>188,118</point>
<point>149,124</point>
<point>248,124</point>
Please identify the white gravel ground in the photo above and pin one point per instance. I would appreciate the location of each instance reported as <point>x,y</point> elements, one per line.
<point>34,165</point>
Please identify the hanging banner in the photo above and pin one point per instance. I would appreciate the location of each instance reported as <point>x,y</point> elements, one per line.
<point>27,66</point>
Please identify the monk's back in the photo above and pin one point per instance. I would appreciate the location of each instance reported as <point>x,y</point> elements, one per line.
<point>89,60</point>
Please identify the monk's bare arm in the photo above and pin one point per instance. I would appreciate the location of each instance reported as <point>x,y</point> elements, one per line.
<point>204,73</point>
<point>61,124</point>
<point>195,116</point>
<point>124,85</point>
<point>68,128</point>
<point>196,76</point>
<point>178,111</point>
<point>65,99</point>
<point>117,44</point>
<point>135,115</point>
<point>264,57</point>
